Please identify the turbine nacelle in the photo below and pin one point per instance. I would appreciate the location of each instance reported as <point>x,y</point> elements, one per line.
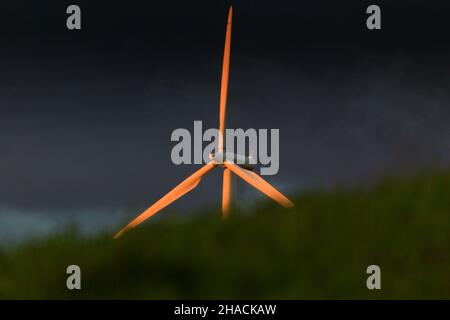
<point>220,157</point>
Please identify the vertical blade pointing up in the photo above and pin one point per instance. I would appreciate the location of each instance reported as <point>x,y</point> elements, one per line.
<point>224,82</point>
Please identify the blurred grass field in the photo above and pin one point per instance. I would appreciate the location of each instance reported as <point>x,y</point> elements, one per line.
<point>318,250</point>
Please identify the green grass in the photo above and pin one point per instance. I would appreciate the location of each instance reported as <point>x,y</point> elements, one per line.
<point>320,249</point>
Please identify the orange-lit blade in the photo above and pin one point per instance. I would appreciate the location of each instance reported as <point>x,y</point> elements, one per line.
<point>187,185</point>
<point>260,184</point>
<point>226,192</point>
<point>224,82</point>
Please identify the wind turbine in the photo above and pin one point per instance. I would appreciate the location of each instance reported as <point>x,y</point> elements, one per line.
<point>230,162</point>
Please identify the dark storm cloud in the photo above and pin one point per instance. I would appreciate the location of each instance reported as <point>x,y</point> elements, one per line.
<point>86,116</point>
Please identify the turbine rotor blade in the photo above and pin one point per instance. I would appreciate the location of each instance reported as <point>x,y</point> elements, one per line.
<point>184,187</point>
<point>224,81</point>
<point>226,192</point>
<point>260,184</point>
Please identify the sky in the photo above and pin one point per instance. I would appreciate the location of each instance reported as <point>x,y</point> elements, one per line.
<point>86,116</point>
